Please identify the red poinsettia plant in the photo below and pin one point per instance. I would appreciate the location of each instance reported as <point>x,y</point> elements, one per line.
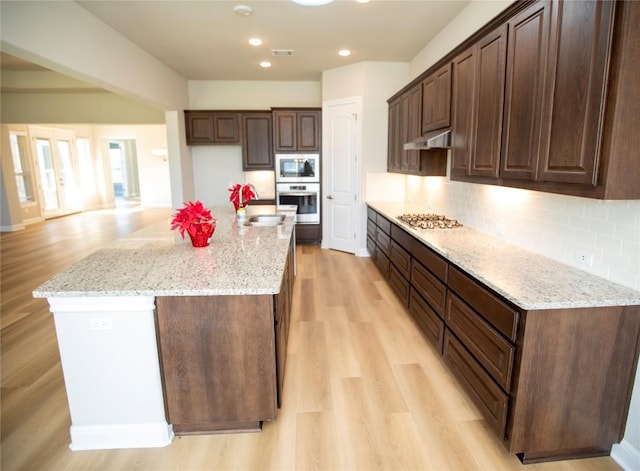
<point>247,195</point>
<point>192,217</point>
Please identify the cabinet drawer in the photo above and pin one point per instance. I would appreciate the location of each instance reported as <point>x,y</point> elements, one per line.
<point>401,237</point>
<point>371,214</point>
<point>489,348</point>
<point>371,228</point>
<point>430,287</point>
<point>382,262</point>
<point>383,241</point>
<point>399,284</point>
<point>499,314</point>
<point>486,394</point>
<point>371,246</point>
<point>383,224</point>
<point>400,258</point>
<point>428,321</point>
<point>430,259</point>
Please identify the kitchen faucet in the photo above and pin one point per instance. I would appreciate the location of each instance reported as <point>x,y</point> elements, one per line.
<point>253,188</point>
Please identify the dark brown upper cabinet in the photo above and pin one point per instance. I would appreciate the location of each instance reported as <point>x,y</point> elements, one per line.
<point>462,104</point>
<point>436,100</point>
<point>411,158</point>
<point>212,127</point>
<point>257,152</point>
<point>405,125</point>
<point>563,116</point>
<point>491,56</point>
<point>297,130</point>
<point>575,95</point>
<point>526,66</point>
<point>394,143</point>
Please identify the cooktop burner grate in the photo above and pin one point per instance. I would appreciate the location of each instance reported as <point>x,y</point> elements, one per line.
<point>429,221</point>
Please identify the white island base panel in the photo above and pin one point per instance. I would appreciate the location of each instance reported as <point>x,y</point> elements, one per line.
<point>109,358</point>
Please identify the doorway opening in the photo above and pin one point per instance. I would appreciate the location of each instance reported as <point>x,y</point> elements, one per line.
<point>124,172</point>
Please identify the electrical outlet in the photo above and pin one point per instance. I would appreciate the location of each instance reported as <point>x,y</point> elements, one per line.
<point>101,323</point>
<point>584,258</point>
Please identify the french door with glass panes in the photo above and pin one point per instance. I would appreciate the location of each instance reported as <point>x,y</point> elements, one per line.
<point>57,171</point>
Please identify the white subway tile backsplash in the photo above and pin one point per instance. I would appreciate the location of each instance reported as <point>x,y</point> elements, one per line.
<point>609,244</point>
<point>549,224</point>
<point>623,211</point>
<point>579,222</point>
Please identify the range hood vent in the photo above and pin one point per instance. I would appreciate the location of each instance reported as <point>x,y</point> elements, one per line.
<point>434,140</point>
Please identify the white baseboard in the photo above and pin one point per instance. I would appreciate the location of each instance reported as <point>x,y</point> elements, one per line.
<point>363,253</point>
<point>12,228</point>
<point>106,437</point>
<point>626,455</point>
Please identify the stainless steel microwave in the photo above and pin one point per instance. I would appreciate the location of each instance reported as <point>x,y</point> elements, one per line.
<point>297,168</point>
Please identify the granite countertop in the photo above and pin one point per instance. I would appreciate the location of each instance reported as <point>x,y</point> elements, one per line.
<point>529,280</point>
<point>155,261</point>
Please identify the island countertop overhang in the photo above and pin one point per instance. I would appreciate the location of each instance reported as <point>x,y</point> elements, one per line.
<point>240,260</point>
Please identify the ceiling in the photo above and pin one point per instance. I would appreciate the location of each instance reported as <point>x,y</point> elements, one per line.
<point>207,40</point>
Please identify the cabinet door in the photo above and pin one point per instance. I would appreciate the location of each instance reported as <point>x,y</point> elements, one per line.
<point>226,128</point>
<point>436,100</point>
<point>199,128</point>
<point>257,151</point>
<point>491,52</point>
<point>462,92</point>
<point>575,95</point>
<point>413,127</point>
<point>308,131</point>
<point>285,131</point>
<point>218,361</point>
<point>394,151</point>
<point>528,39</point>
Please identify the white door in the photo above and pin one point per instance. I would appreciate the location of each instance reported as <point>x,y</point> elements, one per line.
<point>340,174</point>
<point>57,174</point>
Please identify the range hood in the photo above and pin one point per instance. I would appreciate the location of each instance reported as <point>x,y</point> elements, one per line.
<point>433,140</point>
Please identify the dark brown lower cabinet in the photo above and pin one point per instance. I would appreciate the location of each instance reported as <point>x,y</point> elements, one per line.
<point>552,384</point>
<point>218,362</point>
<point>399,284</point>
<point>222,358</point>
<point>431,325</point>
<point>308,233</point>
<point>486,394</point>
<point>573,381</point>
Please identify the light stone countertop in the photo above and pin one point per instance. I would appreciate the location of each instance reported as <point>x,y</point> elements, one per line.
<point>529,280</point>
<point>155,261</point>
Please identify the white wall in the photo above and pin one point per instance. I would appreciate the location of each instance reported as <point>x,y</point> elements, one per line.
<point>69,108</point>
<point>252,95</point>
<point>553,225</point>
<point>472,18</point>
<point>374,83</point>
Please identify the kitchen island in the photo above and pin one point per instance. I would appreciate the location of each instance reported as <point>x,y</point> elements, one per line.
<point>156,336</point>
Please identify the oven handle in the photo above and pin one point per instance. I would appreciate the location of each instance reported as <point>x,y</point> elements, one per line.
<point>297,193</point>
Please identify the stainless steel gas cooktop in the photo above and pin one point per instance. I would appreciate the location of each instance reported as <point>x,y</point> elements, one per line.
<point>429,221</point>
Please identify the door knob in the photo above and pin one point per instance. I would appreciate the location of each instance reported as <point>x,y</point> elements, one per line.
<point>329,197</point>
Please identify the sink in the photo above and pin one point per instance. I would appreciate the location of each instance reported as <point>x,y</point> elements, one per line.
<point>265,220</point>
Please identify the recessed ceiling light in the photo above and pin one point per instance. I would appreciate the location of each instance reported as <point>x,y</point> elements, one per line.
<point>344,52</point>
<point>312,3</point>
<point>243,10</point>
<point>255,41</point>
<point>362,1</point>
<point>265,64</point>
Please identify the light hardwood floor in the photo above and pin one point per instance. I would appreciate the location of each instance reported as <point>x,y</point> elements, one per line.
<point>363,390</point>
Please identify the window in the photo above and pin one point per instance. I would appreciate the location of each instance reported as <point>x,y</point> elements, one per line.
<point>21,167</point>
